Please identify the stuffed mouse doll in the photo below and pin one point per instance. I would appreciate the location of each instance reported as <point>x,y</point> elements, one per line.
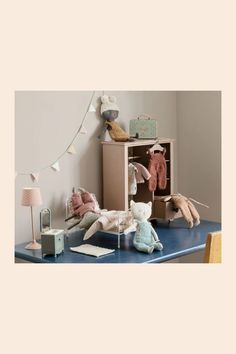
<point>109,113</point>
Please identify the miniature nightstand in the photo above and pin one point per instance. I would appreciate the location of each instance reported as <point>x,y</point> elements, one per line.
<point>52,242</point>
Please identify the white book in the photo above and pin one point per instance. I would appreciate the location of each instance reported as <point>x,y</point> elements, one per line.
<point>91,250</point>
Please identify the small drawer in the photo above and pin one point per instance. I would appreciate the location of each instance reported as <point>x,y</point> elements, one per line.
<point>164,210</point>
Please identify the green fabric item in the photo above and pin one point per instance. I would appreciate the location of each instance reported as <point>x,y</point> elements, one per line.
<point>146,239</point>
<point>88,220</point>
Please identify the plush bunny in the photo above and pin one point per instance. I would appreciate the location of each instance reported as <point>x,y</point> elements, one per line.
<point>145,238</point>
<point>186,207</point>
<point>110,112</point>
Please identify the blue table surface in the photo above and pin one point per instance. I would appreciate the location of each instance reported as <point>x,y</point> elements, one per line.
<point>176,238</point>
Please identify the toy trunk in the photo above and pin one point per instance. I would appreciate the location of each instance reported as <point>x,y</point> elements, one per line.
<point>164,210</point>
<point>143,127</point>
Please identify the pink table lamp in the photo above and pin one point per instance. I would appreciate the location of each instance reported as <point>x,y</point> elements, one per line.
<point>32,197</point>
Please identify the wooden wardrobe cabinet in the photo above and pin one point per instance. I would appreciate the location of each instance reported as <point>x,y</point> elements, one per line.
<point>116,157</point>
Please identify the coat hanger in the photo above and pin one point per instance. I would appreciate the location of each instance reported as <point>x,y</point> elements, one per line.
<point>155,147</point>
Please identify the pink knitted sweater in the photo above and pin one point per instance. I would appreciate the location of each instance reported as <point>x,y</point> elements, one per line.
<point>141,173</point>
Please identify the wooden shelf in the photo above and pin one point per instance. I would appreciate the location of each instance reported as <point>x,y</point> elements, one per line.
<point>116,157</point>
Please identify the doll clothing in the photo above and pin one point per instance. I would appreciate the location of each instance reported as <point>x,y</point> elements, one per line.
<point>132,183</point>
<point>157,169</point>
<point>141,173</point>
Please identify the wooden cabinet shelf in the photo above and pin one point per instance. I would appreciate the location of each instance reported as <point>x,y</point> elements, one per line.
<point>116,157</point>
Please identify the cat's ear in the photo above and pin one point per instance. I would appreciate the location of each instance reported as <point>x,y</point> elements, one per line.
<point>150,204</point>
<point>132,203</point>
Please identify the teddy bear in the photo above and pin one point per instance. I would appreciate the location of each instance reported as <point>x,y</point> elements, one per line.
<point>186,207</point>
<point>145,237</point>
<point>110,112</point>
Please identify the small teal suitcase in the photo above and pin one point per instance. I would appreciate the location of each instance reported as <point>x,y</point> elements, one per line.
<point>143,127</point>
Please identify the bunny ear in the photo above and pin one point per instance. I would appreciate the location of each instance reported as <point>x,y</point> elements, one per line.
<point>112,99</point>
<point>150,204</point>
<point>104,99</point>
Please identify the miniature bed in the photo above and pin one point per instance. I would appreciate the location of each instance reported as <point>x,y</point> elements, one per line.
<point>83,212</point>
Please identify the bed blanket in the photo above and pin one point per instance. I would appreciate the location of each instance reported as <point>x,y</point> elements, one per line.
<point>111,221</point>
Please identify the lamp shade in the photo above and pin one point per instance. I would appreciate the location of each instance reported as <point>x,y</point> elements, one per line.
<point>31,197</point>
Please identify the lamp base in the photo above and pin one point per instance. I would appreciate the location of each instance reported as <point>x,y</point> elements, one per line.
<point>33,246</point>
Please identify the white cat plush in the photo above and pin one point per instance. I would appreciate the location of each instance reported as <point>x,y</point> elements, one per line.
<point>145,238</point>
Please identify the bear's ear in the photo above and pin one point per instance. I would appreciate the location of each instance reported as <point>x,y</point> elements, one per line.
<point>132,203</point>
<point>104,99</point>
<point>112,99</point>
<point>150,204</point>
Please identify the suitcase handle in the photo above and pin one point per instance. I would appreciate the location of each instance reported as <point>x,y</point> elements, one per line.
<point>144,116</point>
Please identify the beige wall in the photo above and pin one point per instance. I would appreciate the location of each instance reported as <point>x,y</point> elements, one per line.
<point>199,149</point>
<point>45,123</point>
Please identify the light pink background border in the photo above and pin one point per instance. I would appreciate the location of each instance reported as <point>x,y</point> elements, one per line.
<point>166,308</point>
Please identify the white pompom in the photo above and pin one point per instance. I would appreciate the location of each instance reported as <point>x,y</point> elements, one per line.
<point>104,99</point>
<point>112,99</point>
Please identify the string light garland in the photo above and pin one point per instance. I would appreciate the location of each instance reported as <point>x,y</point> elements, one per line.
<point>55,166</point>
